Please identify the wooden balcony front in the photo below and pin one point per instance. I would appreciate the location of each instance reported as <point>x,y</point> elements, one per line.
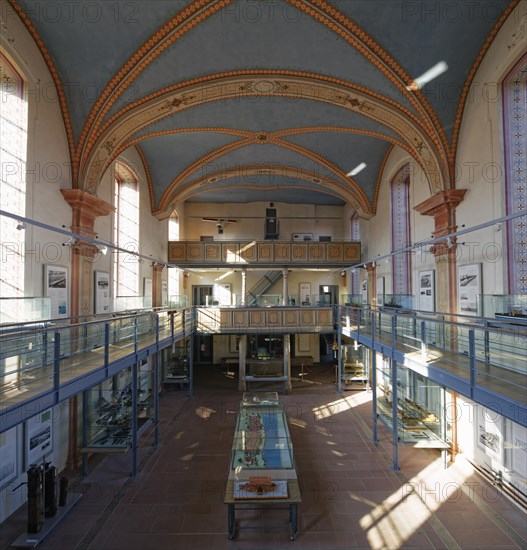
<point>263,254</point>
<point>250,320</point>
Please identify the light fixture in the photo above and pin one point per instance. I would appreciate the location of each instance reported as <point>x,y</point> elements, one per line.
<point>70,242</point>
<point>427,76</point>
<point>359,168</point>
<point>220,229</point>
<point>103,249</point>
<point>449,242</point>
<point>21,225</point>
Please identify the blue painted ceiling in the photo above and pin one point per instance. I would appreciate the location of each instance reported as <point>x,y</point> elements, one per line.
<point>90,42</point>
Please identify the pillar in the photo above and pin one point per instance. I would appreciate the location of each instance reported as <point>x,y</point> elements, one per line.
<point>244,286</point>
<point>242,354</point>
<point>84,209</point>
<point>285,286</point>
<point>442,207</point>
<point>372,283</point>
<point>157,270</point>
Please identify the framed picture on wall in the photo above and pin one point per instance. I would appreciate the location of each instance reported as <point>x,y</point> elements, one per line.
<point>427,290</point>
<point>490,432</point>
<point>102,292</point>
<point>164,293</point>
<point>468,288</point>
<point>305,294</point>
<point>364,291</point>
<point>56,288</point>
<point>147,291</point>
<point>39,437</point>
<point>8,457</point>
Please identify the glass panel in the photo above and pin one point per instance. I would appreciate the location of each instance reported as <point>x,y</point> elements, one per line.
<point>21,310</point>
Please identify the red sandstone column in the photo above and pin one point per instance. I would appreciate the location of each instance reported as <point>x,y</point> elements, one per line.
<point>85,208</point>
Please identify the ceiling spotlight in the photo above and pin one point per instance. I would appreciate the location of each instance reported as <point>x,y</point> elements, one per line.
<point>103,249</point>
<point>449,242</point>
<point>220,229</point>
<point>434,72</point>
<point>21,225</point>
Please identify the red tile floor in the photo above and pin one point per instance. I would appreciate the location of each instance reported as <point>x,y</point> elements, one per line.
<point>350,496</point>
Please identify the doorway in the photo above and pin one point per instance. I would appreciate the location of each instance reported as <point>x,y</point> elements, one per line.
<point>328,295</point>
<point>202,343</point>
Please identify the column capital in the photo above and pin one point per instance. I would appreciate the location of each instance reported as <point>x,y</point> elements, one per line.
<point>442,207</point>
<point>85,207</point>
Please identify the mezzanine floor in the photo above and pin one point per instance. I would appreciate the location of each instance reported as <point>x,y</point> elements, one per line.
<point>350,496</point>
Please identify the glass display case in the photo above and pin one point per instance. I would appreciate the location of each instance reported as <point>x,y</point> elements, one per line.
<point>262,443</point>
<point>355,372</point>
<point>420,406</point>
<point>108,410</point>
<point>398,301</point>
<point>504,306</point>
<point>354,300</point>
<point>262,467</point>
<point>176,367</point>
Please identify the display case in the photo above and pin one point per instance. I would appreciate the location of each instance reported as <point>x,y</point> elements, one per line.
<point>261,466</point>
<point>355,371</point>
<point>176,368</point>
<point>420,403</point>
<point>354,300</point>
<point>504,306</point>
<point>108,410</point>
<point>398,301</point>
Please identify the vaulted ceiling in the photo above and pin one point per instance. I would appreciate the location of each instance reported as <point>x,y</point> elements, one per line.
<point>259,100</point>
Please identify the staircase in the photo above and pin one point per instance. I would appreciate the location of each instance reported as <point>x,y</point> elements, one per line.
<point>263,285</point>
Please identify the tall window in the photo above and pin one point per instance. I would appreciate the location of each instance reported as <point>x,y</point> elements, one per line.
<point>126,232</point>
<point>173,272</point>
<point>400,214</point>
<point>515,142</point>
<point>13,146</point>
<point>355,236</point>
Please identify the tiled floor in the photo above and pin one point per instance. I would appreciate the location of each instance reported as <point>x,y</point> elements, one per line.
<point>350,496</point>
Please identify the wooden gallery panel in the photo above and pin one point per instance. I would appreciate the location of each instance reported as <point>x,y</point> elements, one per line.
<point>274,318</point>
<point>194,251</point>
<point>324,317</point>
<point>213,252</point>
<point>282,251</point>
<point>231,253</point>
<point>317,252</point>
<point>257,318</point>
<point>239,318</point>
<point>335,252</point>
<point>226,318</point>
<point>299,252</point>
<point>248,251</point>
<point>307,317</point>
<point>352,252</point>
<point>265,252</point>
<point>290,318</point>
<point>177,252</point>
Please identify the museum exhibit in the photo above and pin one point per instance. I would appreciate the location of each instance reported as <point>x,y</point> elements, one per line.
<point>263,277</point>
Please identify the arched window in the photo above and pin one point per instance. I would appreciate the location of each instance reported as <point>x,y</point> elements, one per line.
<point>515,146</point>
<point>400,214</point>
<point>126,232</point>
<point>13,147</point>
<point>355,236</point>
<point>173,272</point>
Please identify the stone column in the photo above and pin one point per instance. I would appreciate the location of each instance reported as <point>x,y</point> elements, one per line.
<point>285,287</point>
<point>157,269</point>
<point>442,206</point>
<point>242,354</point>
<point>244,286</point>
<point>287,360</point>
<point>85,208</point>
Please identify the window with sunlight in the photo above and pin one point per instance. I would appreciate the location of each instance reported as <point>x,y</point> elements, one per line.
<point>13,147</point>
<point>126,232</point>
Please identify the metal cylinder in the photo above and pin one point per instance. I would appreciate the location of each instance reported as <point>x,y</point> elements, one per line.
<point>63,494</point>
<point>34,499</point>
<point>50,490</point>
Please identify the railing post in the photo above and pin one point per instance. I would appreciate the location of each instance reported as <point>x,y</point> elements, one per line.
<point>374,384</point>
<point>56,366</point>
<point>155,385</point>
<point>395,416</point>
<point>172,324</point>
<point>394,332</point>
<point>190,367</point>
<point>339,360</point>
<point>85,408</point>
<point>359,319</point>
<point>472,359</point>
<point>424,348</point>
<point>133,426</point>
<point>106,344</point>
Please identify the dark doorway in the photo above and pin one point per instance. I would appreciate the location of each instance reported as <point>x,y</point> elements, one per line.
<point>329,295</point>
